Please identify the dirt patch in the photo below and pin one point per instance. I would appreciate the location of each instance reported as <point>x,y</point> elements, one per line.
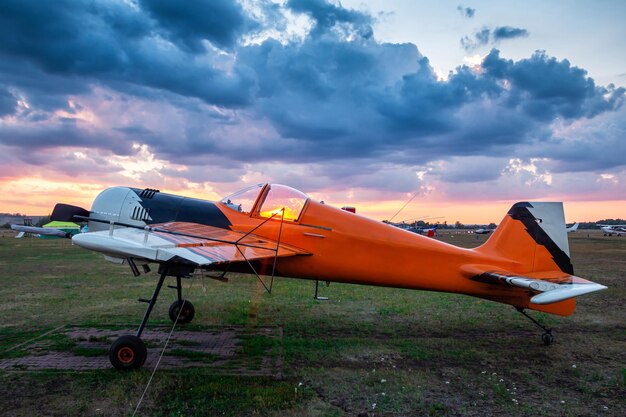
<point>226,349</point>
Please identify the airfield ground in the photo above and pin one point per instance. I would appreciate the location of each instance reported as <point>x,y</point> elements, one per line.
<point>365,352</point>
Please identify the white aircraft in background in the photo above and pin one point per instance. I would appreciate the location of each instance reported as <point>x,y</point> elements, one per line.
<point>613,229</point>
<point>483,231</point>
<point>35,230</point>
<point>573,228</point>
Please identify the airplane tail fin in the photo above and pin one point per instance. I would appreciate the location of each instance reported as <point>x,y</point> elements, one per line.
<point>533,235</point>
<point>532,240</point>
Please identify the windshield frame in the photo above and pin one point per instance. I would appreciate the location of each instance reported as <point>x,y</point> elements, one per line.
<point>260,186</point>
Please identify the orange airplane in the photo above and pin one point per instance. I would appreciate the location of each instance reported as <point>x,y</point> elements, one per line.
<point>275,230</point>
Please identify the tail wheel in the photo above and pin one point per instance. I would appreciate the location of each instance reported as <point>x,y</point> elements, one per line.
<point>186,314</point>
<point>128,352</point>
<point>547,338</point>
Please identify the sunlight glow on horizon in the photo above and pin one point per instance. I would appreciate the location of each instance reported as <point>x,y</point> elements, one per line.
<point>37,197</point>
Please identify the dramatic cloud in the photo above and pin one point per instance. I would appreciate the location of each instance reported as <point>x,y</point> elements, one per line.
<point>113,43</point>
<point>189,24</point>
<point>204,96</point>
<point>328,16</point>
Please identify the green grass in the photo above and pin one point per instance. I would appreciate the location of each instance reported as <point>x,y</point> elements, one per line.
<point>256,345</point>
<point>438,354</point>
<point>57,342</point>
<point>191,354</point>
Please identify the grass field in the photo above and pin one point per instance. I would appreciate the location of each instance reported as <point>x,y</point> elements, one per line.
<point>365,352</point>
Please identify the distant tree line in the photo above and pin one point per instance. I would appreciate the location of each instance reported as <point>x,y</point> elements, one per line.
<point>19,220</point>
<point>458,225</point>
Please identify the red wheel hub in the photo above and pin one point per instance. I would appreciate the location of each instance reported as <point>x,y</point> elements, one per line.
<point>125,355</point>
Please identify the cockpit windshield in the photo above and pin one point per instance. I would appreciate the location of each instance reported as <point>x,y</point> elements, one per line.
<point>279,197</point>
<point>276,198</point>
<point>243,200</point>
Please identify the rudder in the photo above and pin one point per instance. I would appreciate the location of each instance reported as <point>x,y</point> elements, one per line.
<point>534,236</point>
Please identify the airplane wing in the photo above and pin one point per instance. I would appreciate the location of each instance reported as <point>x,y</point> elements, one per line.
<point>184,242</point>
<point>550,287</point>
<point>39,230</point>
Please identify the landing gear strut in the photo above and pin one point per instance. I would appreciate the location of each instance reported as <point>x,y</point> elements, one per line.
<point>129,351</point>
<point>547,337</point>
<point>181,311</point>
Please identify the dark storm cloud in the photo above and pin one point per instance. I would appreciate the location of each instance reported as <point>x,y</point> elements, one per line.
<point>339,99</point>
<point>598,146</point>
<point>327,16</point>
<point>112,43</point>
<point>544,88</point>
<point>487,36</point>
<point>188,23</point>
<point>466,11</point>
<point>69,37</point>
<point>65,133</point>
<point>44,92</point>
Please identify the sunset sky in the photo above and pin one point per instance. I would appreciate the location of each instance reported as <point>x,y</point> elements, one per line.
<point>472,105</point>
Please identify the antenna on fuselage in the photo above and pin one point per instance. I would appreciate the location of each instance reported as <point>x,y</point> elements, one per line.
<point>402,208</point>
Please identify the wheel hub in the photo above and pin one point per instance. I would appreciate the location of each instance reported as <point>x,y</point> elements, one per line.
<point>125,355</point>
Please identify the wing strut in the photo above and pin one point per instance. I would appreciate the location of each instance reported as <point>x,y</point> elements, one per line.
<point>280,229</point>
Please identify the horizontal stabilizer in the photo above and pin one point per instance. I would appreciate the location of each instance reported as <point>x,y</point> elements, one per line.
<point>549,290</point>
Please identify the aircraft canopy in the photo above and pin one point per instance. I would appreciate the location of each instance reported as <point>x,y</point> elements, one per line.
<point>266,200</point>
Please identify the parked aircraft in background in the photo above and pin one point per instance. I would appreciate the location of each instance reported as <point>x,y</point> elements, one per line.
<point>613,229</point>
<point>428,231</point>
<point>573,228</point>
<point>411,225</point>
<point>274,230</point>
<point>38,231</point>
<point>483,231</point>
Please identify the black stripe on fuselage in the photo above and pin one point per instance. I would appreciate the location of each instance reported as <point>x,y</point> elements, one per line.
<point>520,212</point>
<point>165,208</point>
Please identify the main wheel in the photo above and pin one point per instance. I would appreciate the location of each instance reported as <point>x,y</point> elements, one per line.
<point>547,338</point>
<point>128,352</point>
<point>187,313</point>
